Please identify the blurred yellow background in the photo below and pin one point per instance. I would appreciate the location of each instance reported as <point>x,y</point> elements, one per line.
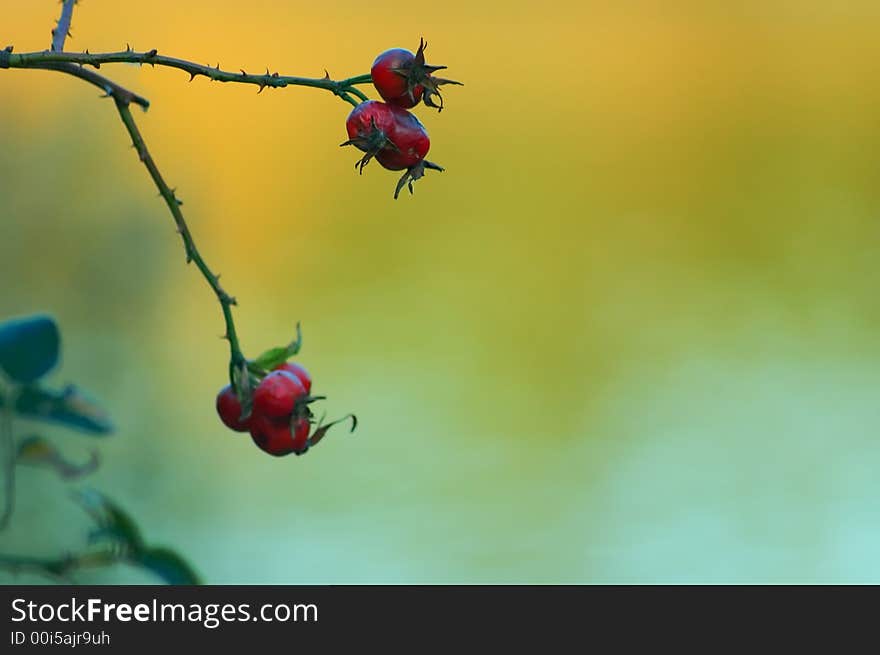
<point>630,335</point>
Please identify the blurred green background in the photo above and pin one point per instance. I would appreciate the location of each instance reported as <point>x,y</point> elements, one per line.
<point>629,336</point>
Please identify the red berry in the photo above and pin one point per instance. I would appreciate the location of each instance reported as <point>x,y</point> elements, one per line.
<point>301,435</point>
<point>394,136</point>
<point>299,371</point>
<point>229,410</point>
<point>410,139</point>
<point>390,73</point>
<point>368,124</point>
<point>368,117</point>
<point>274,436</point>
<point>403,78</point>
<point>277,394</point>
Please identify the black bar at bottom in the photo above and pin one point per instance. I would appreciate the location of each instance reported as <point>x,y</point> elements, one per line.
<point>130,619</point>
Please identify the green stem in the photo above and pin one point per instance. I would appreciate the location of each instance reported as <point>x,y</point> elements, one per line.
<point>151,57</point>
<point>366,78</point>
<point>73,64</point>
<point>58,568</point>
<point>192,253</point>
<point>109,87</point>
<point>8,438</point>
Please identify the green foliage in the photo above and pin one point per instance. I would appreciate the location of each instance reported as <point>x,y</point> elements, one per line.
<point>69,407</point>
<point>38,451</point>
<point>168,565</point>
<point>111,521</point>
<point>29,348</point>
<point>277,356</point>
<point>117,526</point>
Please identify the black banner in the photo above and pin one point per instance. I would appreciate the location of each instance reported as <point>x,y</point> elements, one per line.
<point>129,619</point>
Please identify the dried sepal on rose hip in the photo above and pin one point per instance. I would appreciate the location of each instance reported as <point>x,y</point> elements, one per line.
<point>369,127</point>
<point>394,137</point>
<point>414,173</point>
<point>405,79</point>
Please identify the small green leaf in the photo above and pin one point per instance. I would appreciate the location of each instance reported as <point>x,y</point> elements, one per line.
<point>168,565</point>
<point>29,347</point>
<point>69,407</point>
<point>274,357</point>
<point>37,451</point>
<point>112,521</point>
<point>271,358</point>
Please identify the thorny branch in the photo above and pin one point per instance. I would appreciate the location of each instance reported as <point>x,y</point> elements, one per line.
<point>74,64</point>
<point>192,253</point>
<point>62,30</point>
<point>342,88</point>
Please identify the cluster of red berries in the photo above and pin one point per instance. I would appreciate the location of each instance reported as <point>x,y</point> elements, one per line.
<point>388,132</point>
<point>279,420</point>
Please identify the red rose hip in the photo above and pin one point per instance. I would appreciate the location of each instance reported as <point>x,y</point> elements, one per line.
<point>369,126</point>
<point>301,435</point>
<point>299,371</point>
<point>403,78</point>
<point>276,396</point>
<point>411,142</point>
<point>229,410</point>
<point>273,436</point>
<point>391,79</point>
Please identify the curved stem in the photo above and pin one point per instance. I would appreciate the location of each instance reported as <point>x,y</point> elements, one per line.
<point>151,57</point>
<point>357,79</point>
<point>8,438</point>
<point>73,64</point>
<point>58,568</point>
<point>192,253</point>
<point>109,87</point>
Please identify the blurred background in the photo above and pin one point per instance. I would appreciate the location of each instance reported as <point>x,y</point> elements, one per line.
<point>630,335</point>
